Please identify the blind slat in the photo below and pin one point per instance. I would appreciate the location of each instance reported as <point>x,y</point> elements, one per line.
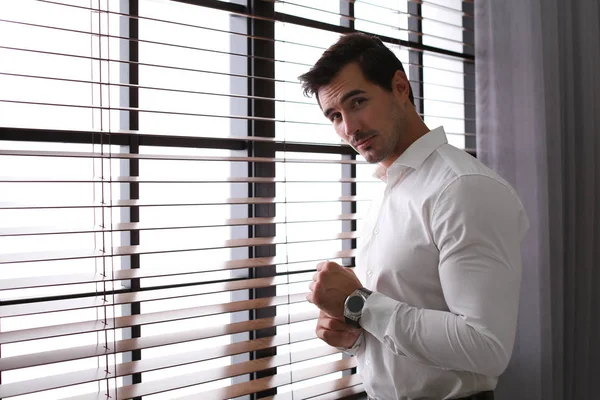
<point>384,7</point>
<point>76,353</point>
<point>282,18</point>
<point>14,389</point>
<point>8,390</point>
<point>165,385</point>
<point>384,25</point>
<point>331,390</point>
<point>175,179</point>
<point>123,274</point>
<point>230,95</point>
<point>204,49</point>
<point>133,250</point>
<point>168,157</point>
<point>131,85</point>
<point>145,295</point>
<point>147,135</point>
<point>144,319</point>
<point>263,384</point>
<point>146,203</point>
<point>125,392</point>
<point>139,226</point>
<point>236,117</point>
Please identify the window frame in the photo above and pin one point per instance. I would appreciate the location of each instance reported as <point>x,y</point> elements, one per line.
<point>260,23</point>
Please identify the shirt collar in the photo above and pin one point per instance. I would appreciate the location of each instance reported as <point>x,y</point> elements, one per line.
<point>414,155</point>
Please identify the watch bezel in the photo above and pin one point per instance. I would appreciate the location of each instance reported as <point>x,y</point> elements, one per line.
<point>353,318</point>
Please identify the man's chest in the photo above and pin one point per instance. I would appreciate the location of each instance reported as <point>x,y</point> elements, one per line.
<point>397,255</point>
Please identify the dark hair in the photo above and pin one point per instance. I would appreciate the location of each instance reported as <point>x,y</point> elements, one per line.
<point>376,61</point>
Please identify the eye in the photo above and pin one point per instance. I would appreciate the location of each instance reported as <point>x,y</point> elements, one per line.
<point>333,117</point>
<point>358,101</point>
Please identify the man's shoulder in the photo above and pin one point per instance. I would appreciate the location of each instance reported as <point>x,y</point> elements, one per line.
<point>454,164</point>
<point>462,175</point>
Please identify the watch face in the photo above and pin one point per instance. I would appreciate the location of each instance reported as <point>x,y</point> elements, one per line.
<point>355,304</point>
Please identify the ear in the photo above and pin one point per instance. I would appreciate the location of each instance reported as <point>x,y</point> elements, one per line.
<point>401,86</point>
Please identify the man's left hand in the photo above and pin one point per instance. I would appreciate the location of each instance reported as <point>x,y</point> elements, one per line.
<point>330,286</point>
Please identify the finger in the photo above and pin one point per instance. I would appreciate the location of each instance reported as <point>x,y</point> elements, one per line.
<point>320,332</point>
<point>322,265</point>
<point>333,338</point>
<point>334,325</point>
<point>311,286</point>
<point>315,276</point>
<point>326,334</point>
<point>324,315</point>
<point>309,297</point>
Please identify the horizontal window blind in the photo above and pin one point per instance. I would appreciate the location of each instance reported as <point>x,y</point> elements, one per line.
<point>166,190</point>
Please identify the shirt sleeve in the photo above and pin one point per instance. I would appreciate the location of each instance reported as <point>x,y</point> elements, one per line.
<point>477,224</point>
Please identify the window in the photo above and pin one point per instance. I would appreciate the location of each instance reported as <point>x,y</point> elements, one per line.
<point>166,189</point>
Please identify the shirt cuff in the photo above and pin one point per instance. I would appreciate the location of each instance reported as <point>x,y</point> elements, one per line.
<point>377,313</point>
<point>355,347</point>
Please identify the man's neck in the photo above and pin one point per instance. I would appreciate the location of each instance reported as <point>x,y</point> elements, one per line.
<point>415,130</point>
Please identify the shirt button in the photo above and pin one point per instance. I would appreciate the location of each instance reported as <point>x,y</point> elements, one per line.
<point>375,231</point>
<point>370,273</point>
<point>368,362</point>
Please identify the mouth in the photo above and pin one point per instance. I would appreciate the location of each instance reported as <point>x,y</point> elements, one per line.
<point>365,142</point>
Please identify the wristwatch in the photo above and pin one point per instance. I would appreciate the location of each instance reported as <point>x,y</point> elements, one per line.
<point>354,305</point>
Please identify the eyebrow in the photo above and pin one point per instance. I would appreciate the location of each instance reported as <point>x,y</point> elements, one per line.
<point>344,98</point>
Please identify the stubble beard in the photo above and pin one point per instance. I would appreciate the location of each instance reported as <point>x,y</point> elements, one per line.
<point>391,143</point>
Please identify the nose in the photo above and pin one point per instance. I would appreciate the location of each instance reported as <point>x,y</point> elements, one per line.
<point>350,126</point>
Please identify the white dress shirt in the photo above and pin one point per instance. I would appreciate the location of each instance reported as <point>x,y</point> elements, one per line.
<point>441,250</point>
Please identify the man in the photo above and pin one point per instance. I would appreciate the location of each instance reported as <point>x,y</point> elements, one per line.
<point>432,310</point>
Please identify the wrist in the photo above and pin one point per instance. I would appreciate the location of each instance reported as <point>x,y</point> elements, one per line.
<point>354,305</point>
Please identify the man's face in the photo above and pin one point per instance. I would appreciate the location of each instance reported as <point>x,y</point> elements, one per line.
<point>364,115</point>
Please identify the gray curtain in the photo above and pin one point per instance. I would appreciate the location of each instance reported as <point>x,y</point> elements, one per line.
<point>538,125</point>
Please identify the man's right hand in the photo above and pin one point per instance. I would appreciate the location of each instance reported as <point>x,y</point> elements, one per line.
<point>335,332</point>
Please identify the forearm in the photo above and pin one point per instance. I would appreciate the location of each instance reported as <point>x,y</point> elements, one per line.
<point>437,338</point>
